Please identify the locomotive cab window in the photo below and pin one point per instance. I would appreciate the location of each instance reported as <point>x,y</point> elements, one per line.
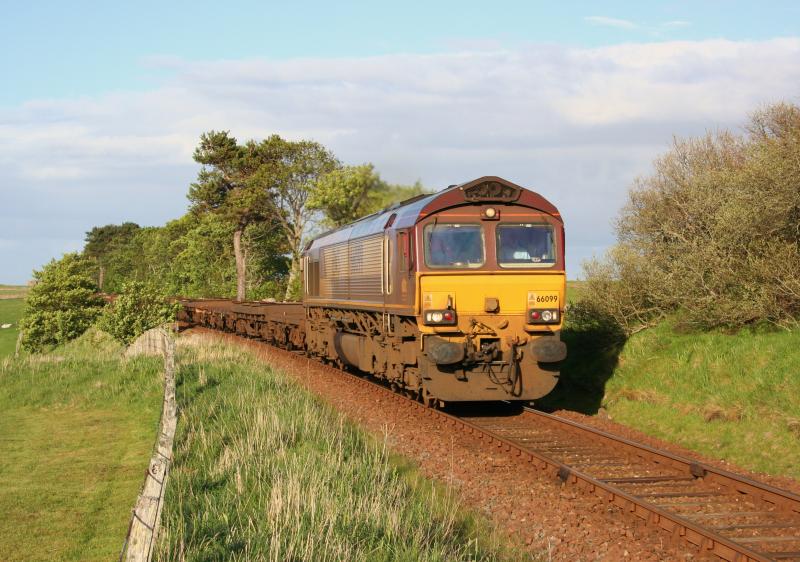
<point>525,245</point>
<point>454,245</point>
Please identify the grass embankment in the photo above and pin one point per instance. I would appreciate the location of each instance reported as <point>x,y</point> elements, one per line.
<point>76,432</point>
<point>729,396</point>
<point>264,470</point>
<point>10,313</point>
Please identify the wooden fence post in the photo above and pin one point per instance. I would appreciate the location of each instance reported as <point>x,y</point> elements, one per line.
<point>143,529</point>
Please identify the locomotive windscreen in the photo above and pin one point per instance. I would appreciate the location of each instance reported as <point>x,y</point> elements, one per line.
<point>454,245</point>
<point>525,245</point>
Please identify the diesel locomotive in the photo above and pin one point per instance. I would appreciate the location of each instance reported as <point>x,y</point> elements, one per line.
<point>453,296</point>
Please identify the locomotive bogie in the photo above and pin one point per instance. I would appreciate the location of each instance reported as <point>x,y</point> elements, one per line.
<point>488,381</point>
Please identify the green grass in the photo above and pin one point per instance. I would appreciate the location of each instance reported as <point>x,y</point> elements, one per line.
<point>266,471</point>
<point>10,312</point>
<point>76,432</point>
<point>729,396</point>
<point>574,290</point>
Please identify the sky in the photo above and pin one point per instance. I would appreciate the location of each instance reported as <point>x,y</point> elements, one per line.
<point>102,103</point>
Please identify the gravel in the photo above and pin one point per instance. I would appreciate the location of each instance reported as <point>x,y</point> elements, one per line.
<point>552,520</point>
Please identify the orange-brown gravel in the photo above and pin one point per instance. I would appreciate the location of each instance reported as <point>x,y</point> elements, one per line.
<point>552,520</point>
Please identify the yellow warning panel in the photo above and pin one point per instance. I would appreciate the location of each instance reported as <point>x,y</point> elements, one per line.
<point>543,299</point>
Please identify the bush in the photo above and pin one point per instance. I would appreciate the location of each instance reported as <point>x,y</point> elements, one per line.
<point>137,308</point>
<point>713,233</point>
<point>61,305</point>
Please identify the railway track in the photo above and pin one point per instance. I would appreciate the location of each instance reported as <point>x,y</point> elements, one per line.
<point>719,513</point>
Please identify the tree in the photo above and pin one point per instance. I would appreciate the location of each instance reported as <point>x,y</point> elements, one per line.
<point>346,194</point>
<point>203,263</point>
<point>193,256</point>
<point>236,182</point>
<point>712,233</point>
<point>302,165</point>
<point>389,194</point>
<point>62,303</point>
<point>267,181</point>
<point>266,252</point>
<point>349,193</point>
<point>103,241</point>
<point>137,308</point>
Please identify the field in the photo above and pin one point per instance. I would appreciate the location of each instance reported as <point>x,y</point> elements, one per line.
<point>10,312</point>
<point>77,429</point>
<point>13,291</point>
<point>729,396</point>
<point>265,470</point>
<point>574,290</point>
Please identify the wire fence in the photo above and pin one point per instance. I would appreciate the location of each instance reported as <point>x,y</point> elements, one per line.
<point>144,525</point>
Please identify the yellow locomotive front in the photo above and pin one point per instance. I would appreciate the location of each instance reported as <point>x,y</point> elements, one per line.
<point>453,296</point>
<point>491,287</point>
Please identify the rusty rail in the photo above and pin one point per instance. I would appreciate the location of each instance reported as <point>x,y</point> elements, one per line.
<point>772,508</point>
<point>704,538</point>
<point>778,509</point>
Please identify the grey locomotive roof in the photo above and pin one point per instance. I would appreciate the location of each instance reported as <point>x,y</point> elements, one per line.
<point>407,213</point>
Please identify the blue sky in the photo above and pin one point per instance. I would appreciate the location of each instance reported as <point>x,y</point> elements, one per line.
<point>102,103</point>
<point>55,49</point>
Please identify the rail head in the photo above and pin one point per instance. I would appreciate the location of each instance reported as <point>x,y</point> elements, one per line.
<point>766,492</point>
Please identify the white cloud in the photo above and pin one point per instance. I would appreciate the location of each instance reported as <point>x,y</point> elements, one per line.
<point>656,30</point>
<point>611,22</point>
<point>575,124</point>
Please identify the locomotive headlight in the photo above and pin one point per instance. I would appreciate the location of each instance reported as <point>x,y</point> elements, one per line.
<point>543,316</point>
<point>490,214</point>
<point>446,317</point>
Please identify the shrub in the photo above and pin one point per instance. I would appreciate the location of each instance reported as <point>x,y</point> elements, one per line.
<point>61,305</point>
<point>713,233</point>
<point>137,308</point>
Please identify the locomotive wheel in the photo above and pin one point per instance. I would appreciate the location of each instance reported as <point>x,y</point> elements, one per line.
<point>428,399</point>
